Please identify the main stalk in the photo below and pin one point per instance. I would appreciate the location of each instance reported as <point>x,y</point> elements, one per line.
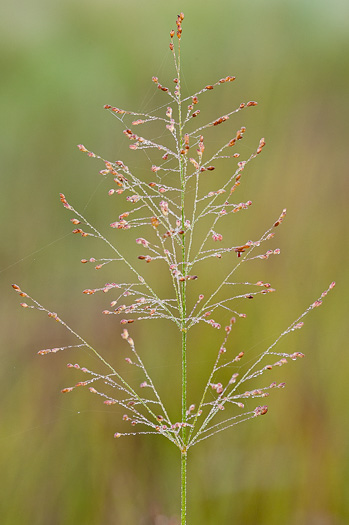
<point>183,302</point>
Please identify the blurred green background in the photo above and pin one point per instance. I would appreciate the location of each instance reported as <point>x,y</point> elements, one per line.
<point>61,61</point>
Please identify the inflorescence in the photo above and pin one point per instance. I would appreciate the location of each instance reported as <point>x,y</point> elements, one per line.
<point>170,221</point>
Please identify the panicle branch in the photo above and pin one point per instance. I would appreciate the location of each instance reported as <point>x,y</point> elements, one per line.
<point>229,393</point>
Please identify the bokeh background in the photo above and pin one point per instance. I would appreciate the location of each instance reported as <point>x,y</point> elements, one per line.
<point>61,61</point>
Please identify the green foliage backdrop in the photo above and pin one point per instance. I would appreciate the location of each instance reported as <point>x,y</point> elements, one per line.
<point>60,62</point>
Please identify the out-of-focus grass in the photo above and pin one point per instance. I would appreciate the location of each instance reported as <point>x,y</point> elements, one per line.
<point>60,62</point>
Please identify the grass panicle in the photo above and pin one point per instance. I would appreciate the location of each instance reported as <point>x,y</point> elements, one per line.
<point>179,221</point>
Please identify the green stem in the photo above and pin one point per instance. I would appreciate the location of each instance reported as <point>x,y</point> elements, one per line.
<point>183,487</point>
<point>184,382</point>
<point>184,331</point>
<point>183,309</point>
<point>184,268</point>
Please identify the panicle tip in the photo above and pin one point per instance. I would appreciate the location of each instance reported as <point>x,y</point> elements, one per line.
<point>179,20</point>
<point>19,291</point>
<point>281,218</point>
<point>65,390</point>
<point>261,410</point>
<point>64,201</point>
